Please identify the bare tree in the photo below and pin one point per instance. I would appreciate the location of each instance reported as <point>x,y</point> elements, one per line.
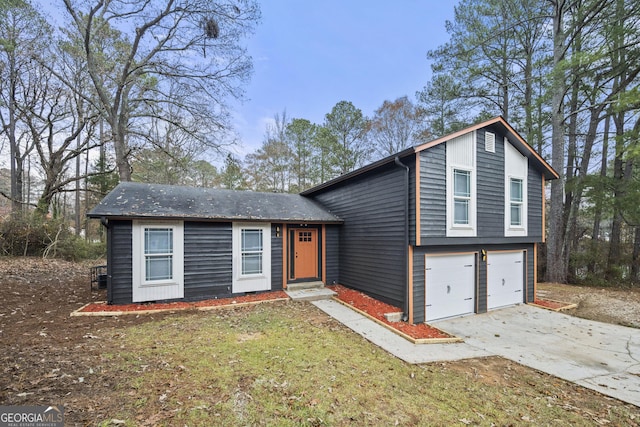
<point>23,32</point>
<point>160,46</point>
<point>396,125</point>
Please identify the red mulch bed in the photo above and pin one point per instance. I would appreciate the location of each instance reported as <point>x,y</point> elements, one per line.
<point>377,309</point>
<point>550,304</point>
<point>180,305</point>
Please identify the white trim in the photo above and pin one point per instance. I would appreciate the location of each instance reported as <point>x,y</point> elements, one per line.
<point>461,155</point>
<point>515,167</point>
<point>157,290</point>
<point>251,282</point>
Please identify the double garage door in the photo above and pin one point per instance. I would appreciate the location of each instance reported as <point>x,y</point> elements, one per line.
<point>450,282</point>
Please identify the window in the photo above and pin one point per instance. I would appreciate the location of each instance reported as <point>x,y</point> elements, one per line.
<point>251,251</point>
<point>461,196</point>
<point>158,254</point>
<point>516,201</point>
<point>158,260</point>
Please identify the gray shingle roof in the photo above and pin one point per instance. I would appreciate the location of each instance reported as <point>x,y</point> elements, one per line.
<point>137,200</point>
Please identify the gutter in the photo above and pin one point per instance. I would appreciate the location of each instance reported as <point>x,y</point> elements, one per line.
<point>405,307</point>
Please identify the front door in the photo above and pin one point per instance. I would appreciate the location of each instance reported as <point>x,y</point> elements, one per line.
<point>305,257</point>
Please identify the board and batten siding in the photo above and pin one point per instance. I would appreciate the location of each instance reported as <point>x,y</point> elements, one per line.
<point>119,262</point>
<point>481,271</point>
<point>372,249</point>
<point>207,260</point>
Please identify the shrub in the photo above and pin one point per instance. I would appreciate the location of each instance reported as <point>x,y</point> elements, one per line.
<point>33,235</point>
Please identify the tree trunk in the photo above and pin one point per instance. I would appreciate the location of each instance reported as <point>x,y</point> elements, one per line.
<point>556,266</point>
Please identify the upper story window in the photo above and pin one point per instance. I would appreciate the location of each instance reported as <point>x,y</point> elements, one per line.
<point>461,191</point>
<point>516,202</point>
<point>515,192</point>
<point>461,196</point>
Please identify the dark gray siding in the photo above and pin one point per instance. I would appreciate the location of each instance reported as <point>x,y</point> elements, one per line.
<point>372,249</point>
<point>119,266</point>
<point>207,260</point>
<point>433,192</point>
<point>411,163</point>
<point>490,187</point>
<point>332,247</point>
<point>276,257</point>
<point>534,201</point>
<point>530,275</point>
<point>481,288</point>
<point>490,190</point>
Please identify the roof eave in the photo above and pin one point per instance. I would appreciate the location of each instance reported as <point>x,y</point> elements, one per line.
<point>390,159</point>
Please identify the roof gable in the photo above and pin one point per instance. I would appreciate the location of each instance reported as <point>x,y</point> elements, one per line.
<point>494,124</point>
<point>138,200</point>
<point>514,138</point>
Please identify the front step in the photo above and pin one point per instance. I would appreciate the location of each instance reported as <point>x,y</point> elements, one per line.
<point>305,285</point>
<point>308,291</point>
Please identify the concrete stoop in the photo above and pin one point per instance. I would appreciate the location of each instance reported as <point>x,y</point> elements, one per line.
<point>308,291</point>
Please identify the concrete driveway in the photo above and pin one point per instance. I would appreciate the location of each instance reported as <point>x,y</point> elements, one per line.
<point>599,356</point>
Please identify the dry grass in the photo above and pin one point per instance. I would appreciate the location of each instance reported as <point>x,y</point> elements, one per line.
<point>287,364</point>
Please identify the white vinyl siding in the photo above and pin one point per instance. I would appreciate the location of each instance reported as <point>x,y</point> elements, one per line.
<point>515,192</point>
<point>158,261</point>
<point>251,257</point>
<point>461,186</point>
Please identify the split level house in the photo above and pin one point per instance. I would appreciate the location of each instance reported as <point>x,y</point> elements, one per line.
<point>446,228</point>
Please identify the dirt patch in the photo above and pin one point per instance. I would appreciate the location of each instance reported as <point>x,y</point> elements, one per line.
<point>609,305</point>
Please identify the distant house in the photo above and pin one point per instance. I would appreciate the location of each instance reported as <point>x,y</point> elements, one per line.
<point>446,228</point>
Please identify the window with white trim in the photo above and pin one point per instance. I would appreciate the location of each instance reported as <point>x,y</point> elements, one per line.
<point>158,254</point>
<point>516,200</point>
<point>461,196</point>
<point>515,191</point>
<point>461,215</point>
<point>158,260</point>
<point>251,248</point>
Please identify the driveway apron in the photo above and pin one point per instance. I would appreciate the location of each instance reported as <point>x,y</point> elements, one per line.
<point>599,356</point>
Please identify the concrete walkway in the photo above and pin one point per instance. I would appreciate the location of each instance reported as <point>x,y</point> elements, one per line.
<point>599,356</point>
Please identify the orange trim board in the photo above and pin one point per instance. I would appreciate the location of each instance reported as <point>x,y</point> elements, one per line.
<point>323,255</point>
<point>410,284</point>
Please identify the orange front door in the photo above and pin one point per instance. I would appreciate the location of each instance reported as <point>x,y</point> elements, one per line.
<point>305,246</point>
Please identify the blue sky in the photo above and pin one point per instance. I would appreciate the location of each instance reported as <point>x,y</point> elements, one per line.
<point>309,55</point>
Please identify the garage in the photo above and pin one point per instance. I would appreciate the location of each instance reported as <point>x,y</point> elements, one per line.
<point>450,285</point>
<point>505,279</point>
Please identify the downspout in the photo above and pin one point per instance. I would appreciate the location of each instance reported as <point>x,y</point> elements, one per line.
<point>405,307</point>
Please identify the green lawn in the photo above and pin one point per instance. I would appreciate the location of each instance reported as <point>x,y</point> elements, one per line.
<point>287,364</point>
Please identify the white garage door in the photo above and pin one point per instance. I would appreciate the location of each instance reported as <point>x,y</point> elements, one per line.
<point>450,282</point>
<point>505,279</point>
